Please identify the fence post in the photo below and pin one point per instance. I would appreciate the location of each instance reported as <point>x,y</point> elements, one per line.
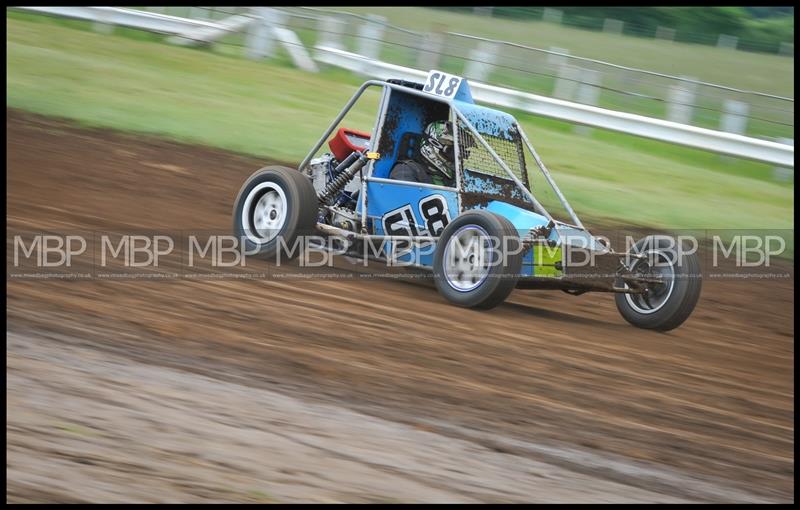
<point>780,173</point>
<point>260,41</point>
<point>734,120</point>
<point>103,25</point>
<point>557,60</point>
<point>331,29</point>
<point>371,36</point>
<point>430,49</point>
<point>727,41</point>
<point>665,33</point>
<point>613,26</point>
<point>680,102</point>
<point>552,15</point>
<point>631,83</point>
<point>561,87</point>
<point>480,62</point>
<point>198,12</point>
<point>588,92</point>
<point>567,82</point>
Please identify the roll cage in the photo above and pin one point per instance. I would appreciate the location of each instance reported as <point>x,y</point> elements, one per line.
<point>463,114</point>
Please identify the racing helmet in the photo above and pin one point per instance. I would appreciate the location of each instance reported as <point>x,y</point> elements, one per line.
<point>437,148</point>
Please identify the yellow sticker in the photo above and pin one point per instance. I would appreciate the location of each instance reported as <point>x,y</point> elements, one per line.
<point>373,155</point>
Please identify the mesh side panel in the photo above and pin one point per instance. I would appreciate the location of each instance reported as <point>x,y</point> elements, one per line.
<point>476,158</point>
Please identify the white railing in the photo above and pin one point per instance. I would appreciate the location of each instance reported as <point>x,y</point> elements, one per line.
<point>648,127</point>
<point>150,21</point>
<point>638,125</point>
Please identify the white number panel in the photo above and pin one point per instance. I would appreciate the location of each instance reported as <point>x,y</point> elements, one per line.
<point>442,84</point>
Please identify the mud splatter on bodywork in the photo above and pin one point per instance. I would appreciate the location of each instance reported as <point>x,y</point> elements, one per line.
<point>480,188</point>
<point>405,113</point>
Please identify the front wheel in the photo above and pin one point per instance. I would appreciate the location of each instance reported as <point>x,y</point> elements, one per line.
<point>276,204</point>
<point>672,288</point>
<point>477,260</point>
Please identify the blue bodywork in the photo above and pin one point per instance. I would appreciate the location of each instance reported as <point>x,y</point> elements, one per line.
<point>399,207</point>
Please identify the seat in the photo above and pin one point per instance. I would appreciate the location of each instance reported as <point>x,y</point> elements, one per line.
<point>409,146</point>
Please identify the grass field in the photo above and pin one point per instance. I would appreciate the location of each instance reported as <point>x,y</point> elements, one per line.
<point>620,90</point>
<point>278,112</point>
<point>756,71</point>
<point>532,71</point>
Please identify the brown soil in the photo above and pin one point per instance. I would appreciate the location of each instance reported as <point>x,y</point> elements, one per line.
<point>702,413</point>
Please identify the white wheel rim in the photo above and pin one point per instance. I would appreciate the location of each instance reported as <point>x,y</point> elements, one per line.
<point>657,300</point>
<point>467,257</point>
<point>264,212</point>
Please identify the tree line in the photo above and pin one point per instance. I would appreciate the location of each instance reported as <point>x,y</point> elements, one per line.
<point>757,28</point>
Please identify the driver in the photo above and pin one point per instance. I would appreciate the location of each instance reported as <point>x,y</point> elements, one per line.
<point>436,152</point>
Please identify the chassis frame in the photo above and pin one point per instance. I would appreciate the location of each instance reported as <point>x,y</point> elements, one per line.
<point>612,271</point>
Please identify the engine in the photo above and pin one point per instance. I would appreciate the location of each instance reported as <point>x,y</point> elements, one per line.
<point>339,210</point>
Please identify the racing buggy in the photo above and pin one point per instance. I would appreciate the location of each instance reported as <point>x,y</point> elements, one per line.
<point>479,230</point>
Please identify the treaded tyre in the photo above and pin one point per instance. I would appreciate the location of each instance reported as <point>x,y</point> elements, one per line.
<point>274,203</point>
<point>667,305</point>
<point>468,266</point>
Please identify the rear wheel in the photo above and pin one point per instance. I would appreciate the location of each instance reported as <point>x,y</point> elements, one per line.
<point>477,260</point>
<point>275,204</point>
<point>674,288</point>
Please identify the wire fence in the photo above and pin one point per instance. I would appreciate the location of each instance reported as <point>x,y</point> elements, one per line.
<point>650,31</point>
<point>547,72</point>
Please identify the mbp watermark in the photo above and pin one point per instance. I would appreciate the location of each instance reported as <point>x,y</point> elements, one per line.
<point>223,250</point>
<point>135,250</point>
<point>748,250</point>
<point>49,251</point>
<point>214,254</point>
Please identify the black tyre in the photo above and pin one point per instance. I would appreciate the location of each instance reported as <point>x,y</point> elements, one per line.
<point>477,260</point>
<point>276,203</point>
<point>662,306</point>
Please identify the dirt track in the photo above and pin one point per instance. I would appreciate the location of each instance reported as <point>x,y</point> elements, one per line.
<point>558,397</point>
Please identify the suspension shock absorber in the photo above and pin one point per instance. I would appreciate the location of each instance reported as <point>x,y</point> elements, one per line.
<point>346,170</point>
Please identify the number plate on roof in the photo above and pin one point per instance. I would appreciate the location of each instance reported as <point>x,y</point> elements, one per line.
<point>442,84</point>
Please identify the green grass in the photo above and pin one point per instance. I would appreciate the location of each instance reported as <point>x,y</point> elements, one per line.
<point>524,70</point>
<point>275,111</point>
<point>756,71</point>
<point>182,93</point>
<point>630,92</point>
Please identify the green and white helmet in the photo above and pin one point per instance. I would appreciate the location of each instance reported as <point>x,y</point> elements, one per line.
<point>437,147</point>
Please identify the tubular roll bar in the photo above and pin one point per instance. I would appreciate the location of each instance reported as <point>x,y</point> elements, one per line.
<point>408,90</point>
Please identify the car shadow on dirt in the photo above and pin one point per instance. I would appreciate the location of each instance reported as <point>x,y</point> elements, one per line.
<point>561,316</point>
